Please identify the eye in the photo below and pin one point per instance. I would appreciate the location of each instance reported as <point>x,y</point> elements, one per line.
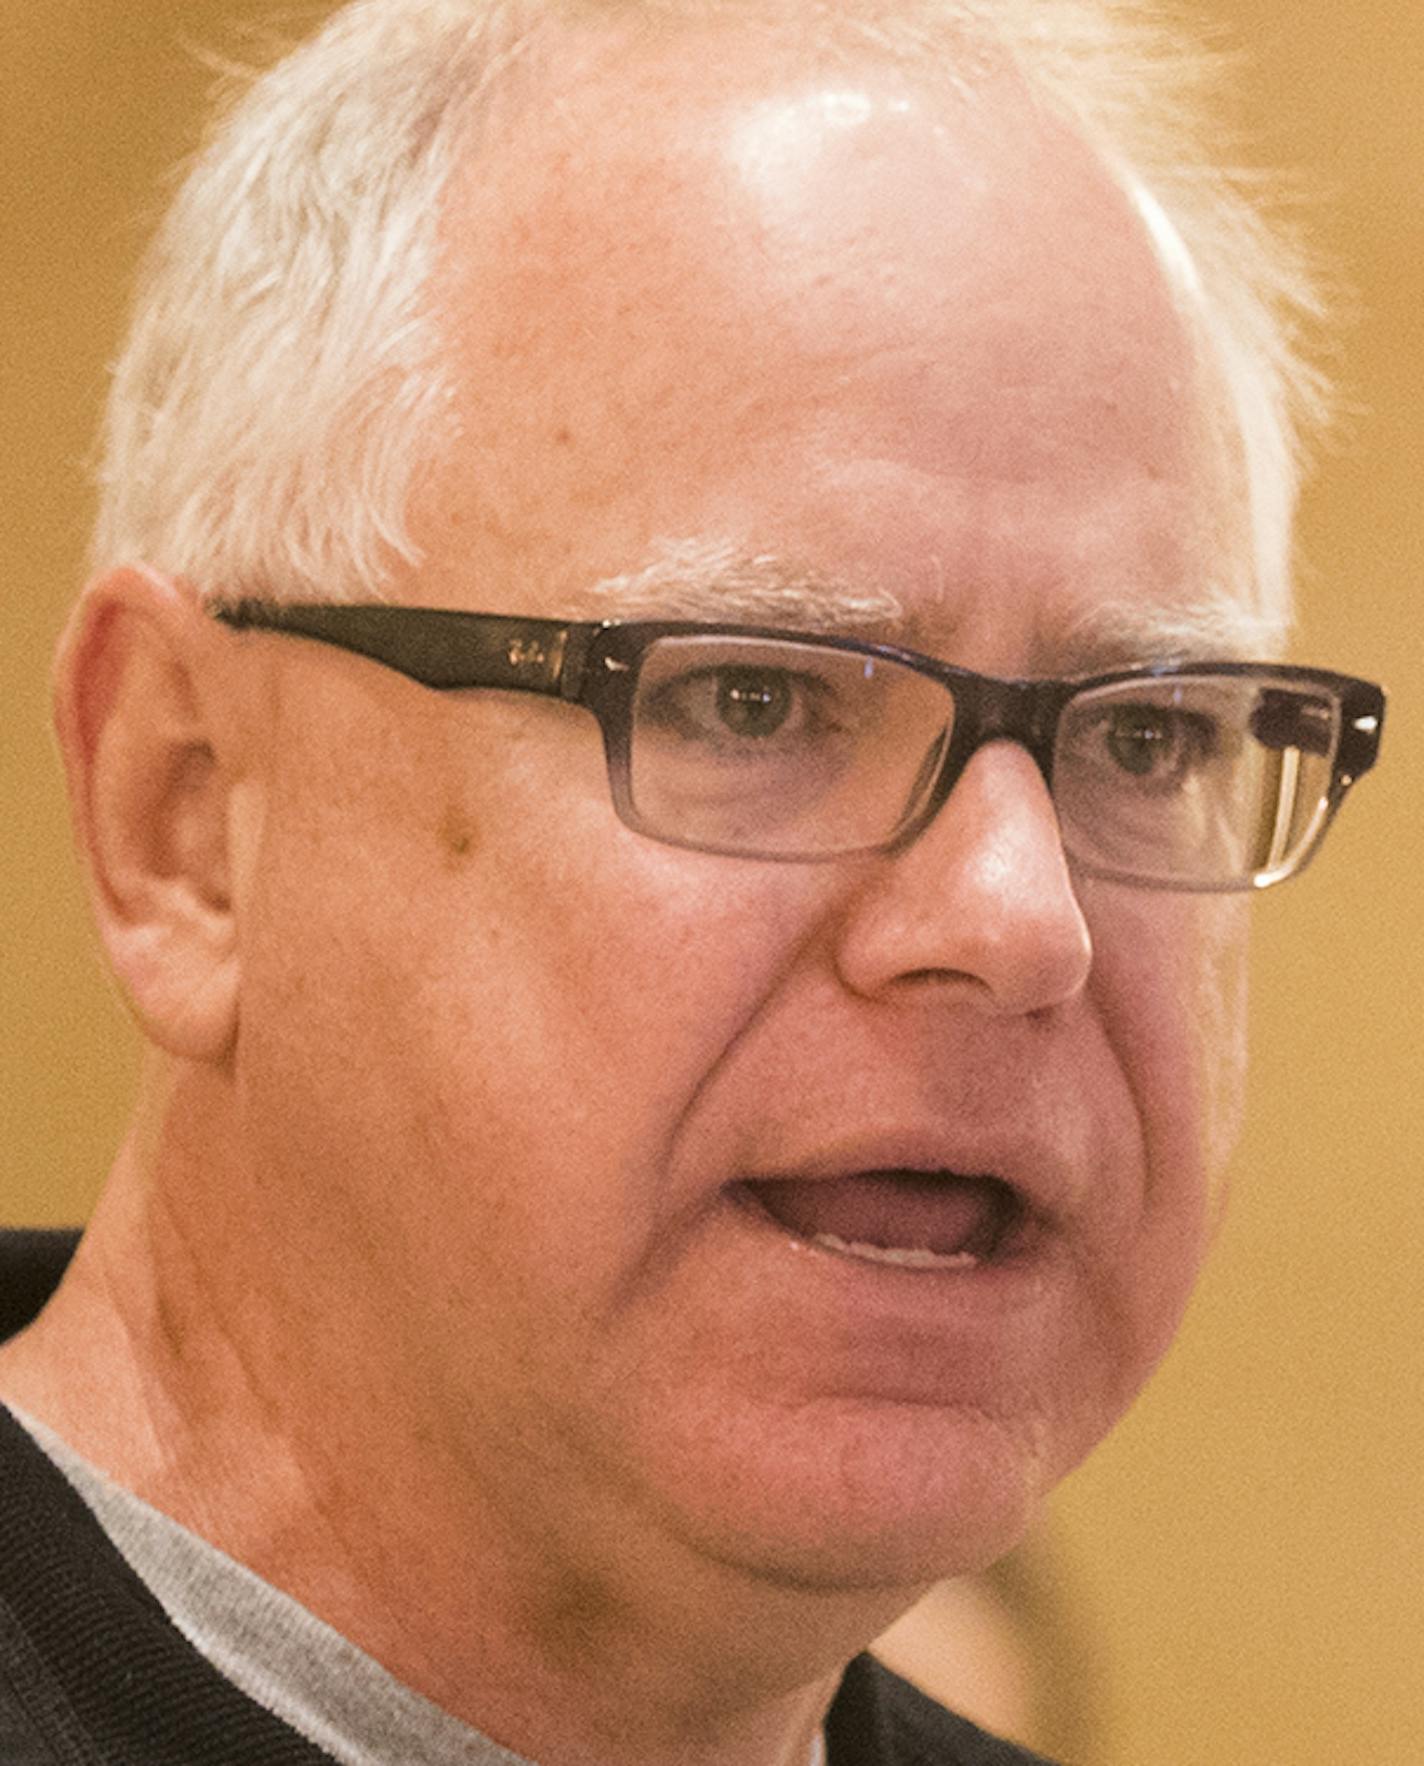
<point>753,701</point>
<point>740,706</point>
<point>1159,745</point>
<point>1139,740</point>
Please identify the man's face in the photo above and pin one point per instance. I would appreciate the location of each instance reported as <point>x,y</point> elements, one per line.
<point>565,1109</point>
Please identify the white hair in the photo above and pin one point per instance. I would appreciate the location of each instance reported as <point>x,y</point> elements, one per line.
<point>284,385</point>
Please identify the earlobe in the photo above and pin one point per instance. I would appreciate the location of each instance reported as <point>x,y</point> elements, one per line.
<point>137,700</point>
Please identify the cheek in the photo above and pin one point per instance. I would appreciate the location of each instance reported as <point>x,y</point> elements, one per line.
<point>604,978</point>
<point>521,1008</point>
<point>1221,1039</point>
<point>1169,985</point>
<point>1211,987</point>
<point>1169,978</point>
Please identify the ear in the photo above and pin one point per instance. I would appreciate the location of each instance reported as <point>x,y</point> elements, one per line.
<point>139,710</point>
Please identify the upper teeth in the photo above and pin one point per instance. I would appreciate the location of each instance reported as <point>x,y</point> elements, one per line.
<point>902,1256</point>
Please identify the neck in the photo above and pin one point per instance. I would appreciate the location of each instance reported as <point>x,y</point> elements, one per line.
<point>590,1635</point>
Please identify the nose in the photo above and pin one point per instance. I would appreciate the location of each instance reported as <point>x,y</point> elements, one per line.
<point>982,904</point>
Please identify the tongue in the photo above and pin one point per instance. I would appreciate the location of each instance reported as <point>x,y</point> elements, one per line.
<point>909,1210</point>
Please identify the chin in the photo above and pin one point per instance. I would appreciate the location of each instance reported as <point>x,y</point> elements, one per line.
<point>865,1499</point>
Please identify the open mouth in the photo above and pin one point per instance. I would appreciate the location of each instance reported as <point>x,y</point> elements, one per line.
<point>926,1220</point>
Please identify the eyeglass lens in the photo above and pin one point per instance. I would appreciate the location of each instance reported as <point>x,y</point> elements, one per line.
<point>776,748</point>
<point>1208,779</point>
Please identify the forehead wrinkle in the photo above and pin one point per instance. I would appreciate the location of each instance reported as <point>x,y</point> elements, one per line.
<point>713,581</point>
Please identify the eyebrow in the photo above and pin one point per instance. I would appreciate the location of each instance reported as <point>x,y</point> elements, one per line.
<point>1217,627</point>
<point>708,580</point>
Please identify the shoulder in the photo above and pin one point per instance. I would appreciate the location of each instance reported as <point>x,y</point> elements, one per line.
<point>92,1670</point>
<point>880,1720</point>
<point>31,1264</point>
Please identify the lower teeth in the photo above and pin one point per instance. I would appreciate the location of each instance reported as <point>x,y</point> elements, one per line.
<point>901,1256</point>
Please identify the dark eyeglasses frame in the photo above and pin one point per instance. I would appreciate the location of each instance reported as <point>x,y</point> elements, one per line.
<point>594,663</point>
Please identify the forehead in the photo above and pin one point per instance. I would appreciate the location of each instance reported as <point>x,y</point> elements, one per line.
<point>910,333</point>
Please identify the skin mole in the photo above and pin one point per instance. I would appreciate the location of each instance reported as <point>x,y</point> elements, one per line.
<point>458,834</point>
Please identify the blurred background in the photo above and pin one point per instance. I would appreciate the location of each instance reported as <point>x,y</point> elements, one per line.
<point>1239,1574</point>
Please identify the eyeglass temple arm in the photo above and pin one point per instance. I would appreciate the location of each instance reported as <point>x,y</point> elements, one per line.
<point>442,648</point>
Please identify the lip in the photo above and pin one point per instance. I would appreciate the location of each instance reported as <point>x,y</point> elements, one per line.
<point>917,1336</point>
<point>1018,1235</point>
<point>1042,1181</point>
<point>958,1333</point>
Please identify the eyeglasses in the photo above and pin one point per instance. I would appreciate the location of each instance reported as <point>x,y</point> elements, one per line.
<point>780,745</point>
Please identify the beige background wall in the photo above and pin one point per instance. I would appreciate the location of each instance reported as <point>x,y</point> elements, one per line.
<point>1248,1553</point>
